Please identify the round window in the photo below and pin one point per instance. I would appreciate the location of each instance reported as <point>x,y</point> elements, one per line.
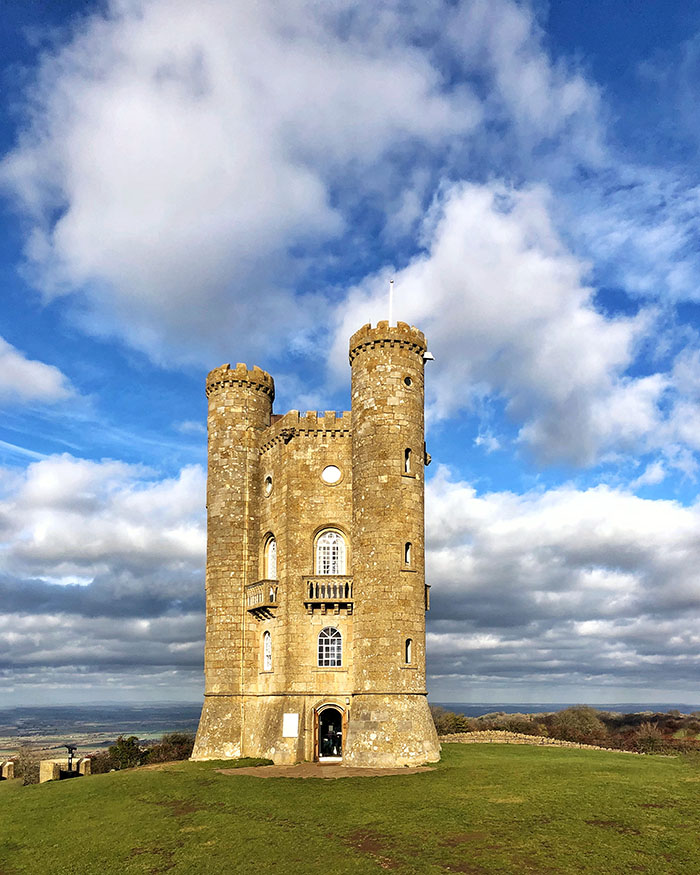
<point>331,474</point>
<point>408,381</point>
<point>268,485</point>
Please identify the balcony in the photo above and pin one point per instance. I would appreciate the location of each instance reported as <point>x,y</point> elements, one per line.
<point>328,593</point>
<point>261,598</point>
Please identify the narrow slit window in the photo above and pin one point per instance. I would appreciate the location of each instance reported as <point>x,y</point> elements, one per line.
<point>408,553</point>
<point>267,652</point>
<point>271,559</point>
<point>407,461</point>
<point>330,648</point>
<point>409,651</point>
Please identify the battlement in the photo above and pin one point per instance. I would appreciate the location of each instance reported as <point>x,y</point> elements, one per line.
<point>256,378</point>
<point>311,424</point>
<point>401,334</point>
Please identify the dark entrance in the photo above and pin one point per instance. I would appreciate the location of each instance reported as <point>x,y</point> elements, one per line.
<point>330,734</point>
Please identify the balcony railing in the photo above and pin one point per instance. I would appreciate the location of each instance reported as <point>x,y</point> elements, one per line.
<point>261,597</point>
<point>325,591</point>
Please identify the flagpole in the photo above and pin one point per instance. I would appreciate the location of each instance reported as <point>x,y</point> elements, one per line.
<point>391,302</point>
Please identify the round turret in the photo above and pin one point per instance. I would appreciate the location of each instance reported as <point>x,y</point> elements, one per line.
<point>388,452</point>
<point>240,408</point>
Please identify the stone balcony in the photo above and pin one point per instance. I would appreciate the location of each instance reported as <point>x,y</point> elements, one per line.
<point>261,598</point>
<point>328,593</point>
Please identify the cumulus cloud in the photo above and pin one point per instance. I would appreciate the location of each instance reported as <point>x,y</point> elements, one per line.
<point>101,567</point>
<point>26,380</point>
<point>508,313</point>
<point>176,154</point>
<point>68,520</point>
<point>566,586</point>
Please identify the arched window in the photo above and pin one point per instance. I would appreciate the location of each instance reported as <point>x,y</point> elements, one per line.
<point>407,461</point>
<point>330,553</point>
<point>271,558</point>
<point>409,651</point>
<point>408,553</point>
<point>330,647</point>
<point>267,651</point>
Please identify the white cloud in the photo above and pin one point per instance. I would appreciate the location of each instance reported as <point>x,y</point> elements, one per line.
<point>186,149</point>
<point>27,380</point>
<point>562,586</point>
<point>68,519</point>
<point>508,313</point>
<point>653,474</point>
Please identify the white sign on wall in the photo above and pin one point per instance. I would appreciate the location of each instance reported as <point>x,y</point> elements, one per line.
<point>290,725</point>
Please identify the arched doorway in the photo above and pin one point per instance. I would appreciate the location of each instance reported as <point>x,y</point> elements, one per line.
<point>329,733</point>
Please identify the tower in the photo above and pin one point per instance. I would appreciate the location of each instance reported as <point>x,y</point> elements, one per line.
<point>316,592</point>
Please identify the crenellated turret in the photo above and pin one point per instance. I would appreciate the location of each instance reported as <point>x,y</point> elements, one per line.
<point>240,408</point>
<point>388,544</point>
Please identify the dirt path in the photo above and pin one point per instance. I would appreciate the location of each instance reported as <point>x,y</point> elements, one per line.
<point>321,770</point>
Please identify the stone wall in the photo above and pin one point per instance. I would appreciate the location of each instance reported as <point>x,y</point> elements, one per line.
<point>498,736</point>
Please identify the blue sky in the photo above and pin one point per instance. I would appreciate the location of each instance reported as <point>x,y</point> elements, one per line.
<point>185,185</point>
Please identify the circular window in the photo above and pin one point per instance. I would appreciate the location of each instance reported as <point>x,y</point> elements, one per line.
<point>331,474</point>
<point>408,381</point>
<point>268,485</point>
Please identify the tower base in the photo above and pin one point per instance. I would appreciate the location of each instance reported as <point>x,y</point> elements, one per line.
<point>386,731</point>
<point>219,731</point>
<point>379,731</point>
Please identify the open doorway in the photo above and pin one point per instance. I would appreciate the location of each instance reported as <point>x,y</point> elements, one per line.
<point>329,734</point>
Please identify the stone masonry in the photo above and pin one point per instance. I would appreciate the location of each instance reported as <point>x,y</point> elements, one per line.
<point>302,481</point>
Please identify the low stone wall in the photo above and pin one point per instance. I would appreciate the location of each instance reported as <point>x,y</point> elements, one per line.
<point>50,770</point>
<point>499,736</point>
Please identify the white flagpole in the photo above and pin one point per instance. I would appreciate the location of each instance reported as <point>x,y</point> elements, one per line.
<point>391,302</point>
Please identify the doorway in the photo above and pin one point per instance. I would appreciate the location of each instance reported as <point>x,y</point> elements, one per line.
<point>329,733</point>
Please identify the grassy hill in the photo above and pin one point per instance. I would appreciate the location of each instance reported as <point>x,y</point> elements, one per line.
<point>485,809</point>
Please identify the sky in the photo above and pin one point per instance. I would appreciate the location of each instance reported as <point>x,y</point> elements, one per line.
<point>183,185</point>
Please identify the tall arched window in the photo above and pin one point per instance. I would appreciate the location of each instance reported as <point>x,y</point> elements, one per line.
<point>330,647</point>
<point>408,553</point>
<point>406,461</point>
<point>267,652</point>
<point>330,553</point>
<point>271,558</point>
<point>409,651</point>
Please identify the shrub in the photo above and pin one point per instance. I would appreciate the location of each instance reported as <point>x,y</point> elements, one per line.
<point>127,753</point>
<point>580,723</point>
<point>447,722</point>
<point>27,765</point>
<point>102,762</point>
<point>648,738</point>
<point>174,746</point>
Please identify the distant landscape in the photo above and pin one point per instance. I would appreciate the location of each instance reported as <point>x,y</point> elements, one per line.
<point>92,727</point>
<point>95,727</point>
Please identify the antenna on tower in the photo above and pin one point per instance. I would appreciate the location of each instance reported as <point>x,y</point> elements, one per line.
<point>391,302</point>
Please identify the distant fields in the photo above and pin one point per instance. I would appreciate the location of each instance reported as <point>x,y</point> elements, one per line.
<point>485,809</point>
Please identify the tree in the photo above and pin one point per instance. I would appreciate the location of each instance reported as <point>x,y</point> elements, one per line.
<point>127,752</point>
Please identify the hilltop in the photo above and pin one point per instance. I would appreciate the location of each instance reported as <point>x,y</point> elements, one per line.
<point>483,809</point>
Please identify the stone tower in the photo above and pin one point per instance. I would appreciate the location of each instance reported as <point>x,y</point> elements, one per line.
<point>316,596</point>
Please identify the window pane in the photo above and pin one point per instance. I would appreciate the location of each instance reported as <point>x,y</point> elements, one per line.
<point>330,553</point>
<point>330,647</point>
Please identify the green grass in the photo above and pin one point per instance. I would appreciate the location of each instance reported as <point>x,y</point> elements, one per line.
<point>485,809</point>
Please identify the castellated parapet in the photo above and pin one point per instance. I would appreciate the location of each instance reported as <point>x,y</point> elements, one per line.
<point>316,596</point>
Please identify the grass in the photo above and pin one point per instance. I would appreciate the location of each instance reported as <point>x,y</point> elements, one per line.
<point>485,809</point>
